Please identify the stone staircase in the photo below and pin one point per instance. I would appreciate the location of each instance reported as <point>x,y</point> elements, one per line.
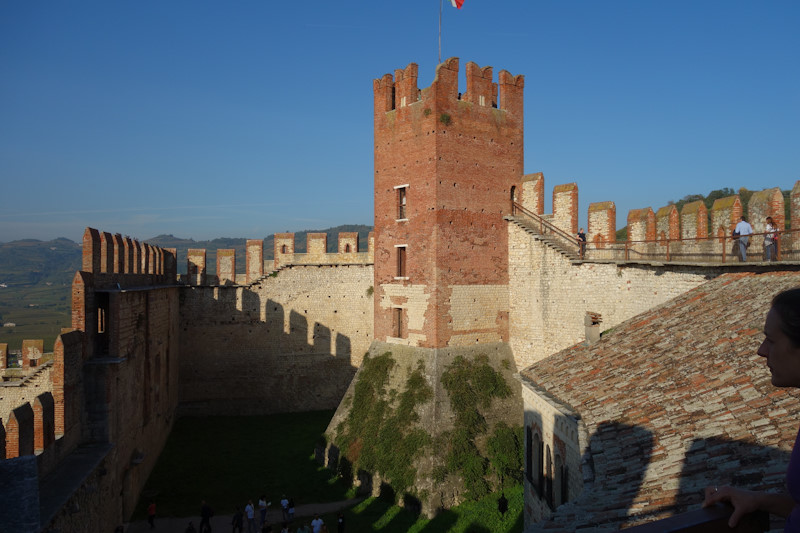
<point>554,242</point>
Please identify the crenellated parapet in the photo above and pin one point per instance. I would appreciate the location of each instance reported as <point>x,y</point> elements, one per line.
<point>565,207</point>
<point>196,266</point>
<point>115,259</point>
<point>316,250</point>
<point>694,221</point>
<point>532,194</point>
<point>725,213</point>
<point>602,223</point>
<point>668,225</point>
<point>763,204</point>
<point>641,224</point>
<point>693,234</point>
<point>399,98</point>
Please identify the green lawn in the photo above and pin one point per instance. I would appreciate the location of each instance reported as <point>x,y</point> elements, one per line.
<point>228,460</point>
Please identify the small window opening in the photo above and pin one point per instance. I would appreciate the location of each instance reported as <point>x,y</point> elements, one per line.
<point>401,261</point>
<point>398,328</point>
<point>401,202</point>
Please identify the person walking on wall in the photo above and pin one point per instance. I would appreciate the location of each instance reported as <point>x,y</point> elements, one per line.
<point>742,234</point>
<point>770,241</point>
<point>781,349</point>
<point>582,242</point>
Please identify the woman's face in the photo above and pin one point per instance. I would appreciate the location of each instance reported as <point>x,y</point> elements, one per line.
<point>783,358</point>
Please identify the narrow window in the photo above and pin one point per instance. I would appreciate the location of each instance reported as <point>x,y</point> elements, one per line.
<point>283,249</point>
<point>401,261</point>
<point>397,323</point>
<point>347,248</point>
<point>401,203</point>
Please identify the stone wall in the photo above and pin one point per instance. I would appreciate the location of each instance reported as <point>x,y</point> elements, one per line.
<point>555,440</point>
<point>549,296</point>
<point>291,342</point>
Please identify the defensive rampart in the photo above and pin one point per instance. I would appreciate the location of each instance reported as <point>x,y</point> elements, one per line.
<point>695,234</point>
<point>289,342</point>
<point>551,291</point>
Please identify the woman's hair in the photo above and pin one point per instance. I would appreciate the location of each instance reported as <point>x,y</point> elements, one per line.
<point>787,305</point>
<point>769,219</point>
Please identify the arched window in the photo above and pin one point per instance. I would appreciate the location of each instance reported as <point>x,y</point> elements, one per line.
<point>347,248</point>
<point>283,249</point>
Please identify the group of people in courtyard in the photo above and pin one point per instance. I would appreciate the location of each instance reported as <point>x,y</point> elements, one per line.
<point>249,520</point>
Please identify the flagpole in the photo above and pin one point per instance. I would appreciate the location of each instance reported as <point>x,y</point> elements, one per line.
<point>440,31</point>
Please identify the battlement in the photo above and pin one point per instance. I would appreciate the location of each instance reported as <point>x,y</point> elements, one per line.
<point>120,258</point>
<point>688,228</point>
<point>18,364</point>
<point>400,93</point>
<point>317,250</point>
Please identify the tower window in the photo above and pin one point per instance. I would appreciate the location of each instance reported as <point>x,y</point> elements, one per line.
<point>401,202</point>
<point>401,261</point>
<point>397,323</point>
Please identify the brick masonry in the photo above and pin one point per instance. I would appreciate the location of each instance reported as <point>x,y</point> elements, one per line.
<point>434,149</point>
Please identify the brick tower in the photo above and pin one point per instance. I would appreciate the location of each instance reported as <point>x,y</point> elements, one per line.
<point>445,169</point>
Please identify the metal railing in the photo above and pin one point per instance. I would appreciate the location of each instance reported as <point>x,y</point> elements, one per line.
<point>570,242</point>
<point>710,249</point>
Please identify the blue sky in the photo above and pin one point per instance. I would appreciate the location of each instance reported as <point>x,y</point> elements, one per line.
<point>241,119</point>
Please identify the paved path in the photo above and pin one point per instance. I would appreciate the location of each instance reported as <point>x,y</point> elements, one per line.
<point>222,523</point>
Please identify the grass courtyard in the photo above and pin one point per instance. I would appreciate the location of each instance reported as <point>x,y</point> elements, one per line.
<point>229,460</point>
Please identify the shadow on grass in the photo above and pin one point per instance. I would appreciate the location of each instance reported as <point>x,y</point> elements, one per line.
<point>230,460</point>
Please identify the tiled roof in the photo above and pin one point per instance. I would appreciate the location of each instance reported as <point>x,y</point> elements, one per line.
<point>673,400</point>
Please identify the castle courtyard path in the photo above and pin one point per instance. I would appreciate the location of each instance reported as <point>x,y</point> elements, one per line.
<point>222,523</point>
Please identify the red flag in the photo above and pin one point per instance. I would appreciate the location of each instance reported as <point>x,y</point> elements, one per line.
<point>457,3</point>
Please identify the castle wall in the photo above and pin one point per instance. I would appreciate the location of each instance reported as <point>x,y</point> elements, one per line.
<point>291,342</point>
<point>549,296</point>
<point>555,441</point>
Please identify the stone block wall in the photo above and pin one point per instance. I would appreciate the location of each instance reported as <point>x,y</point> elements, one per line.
<point>196,266</point>
<point>291,342</point>
<point>255,260</point>
<point>641,224</point>
<point>602,226</point>
<point>533,193</point>
<point>565,207</point>
<point>694,220</point>
<point>667,223</point>
<point>555,440</point>
<point>549,296</point>
<point>226,266</point>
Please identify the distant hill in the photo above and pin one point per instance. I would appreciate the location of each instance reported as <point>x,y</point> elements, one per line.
<point>36,276</point>
<point>31,262</point>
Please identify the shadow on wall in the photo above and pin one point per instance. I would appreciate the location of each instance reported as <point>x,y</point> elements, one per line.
<point>241,356</point>
<point>620,454</point>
